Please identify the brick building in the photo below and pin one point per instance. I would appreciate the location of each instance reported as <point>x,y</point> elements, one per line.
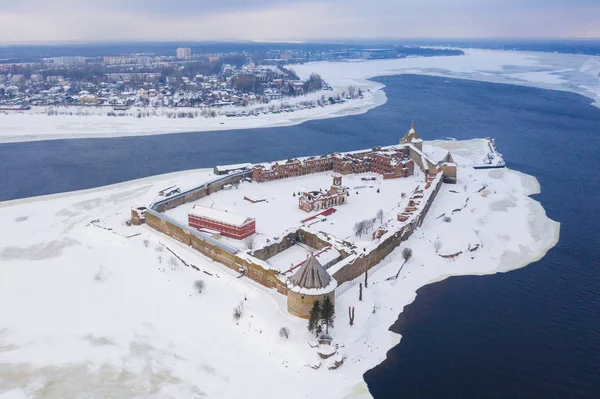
<point>316,200</point>
<point>291,168</point>
<point>228,224</point>
<point>391,162</point>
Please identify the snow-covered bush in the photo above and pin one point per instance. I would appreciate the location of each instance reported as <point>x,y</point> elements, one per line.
<point>249,242</point>
<point>199,286</point>
<point>173,263</point>
<point>284,332</point>
<point>406,254</point>
<point>238,312</point>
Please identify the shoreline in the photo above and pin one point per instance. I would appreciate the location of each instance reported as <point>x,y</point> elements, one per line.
<point>101,126</point>
<point>564,72</point>
<point>506,265</point>
<point>367,343</point>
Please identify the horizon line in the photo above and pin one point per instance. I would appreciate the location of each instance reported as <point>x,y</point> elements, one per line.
<point>291,41</point>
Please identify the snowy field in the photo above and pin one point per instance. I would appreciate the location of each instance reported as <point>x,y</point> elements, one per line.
<point>464,155</point>
<point>567,72</point>
<point>363,203</point>
<point>92,308</point>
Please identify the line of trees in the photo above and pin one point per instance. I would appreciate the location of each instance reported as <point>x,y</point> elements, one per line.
<point>321,316</point>
<point>364,226</point>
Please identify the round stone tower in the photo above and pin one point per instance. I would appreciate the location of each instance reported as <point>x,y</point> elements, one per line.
<point>309,284</point>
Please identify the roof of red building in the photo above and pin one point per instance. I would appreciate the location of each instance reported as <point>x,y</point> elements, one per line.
<point>221,216</point>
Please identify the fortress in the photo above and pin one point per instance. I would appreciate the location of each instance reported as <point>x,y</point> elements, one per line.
<point>329,264</point>
<point>391,162</point>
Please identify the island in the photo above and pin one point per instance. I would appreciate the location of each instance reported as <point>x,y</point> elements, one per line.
<point>204,282</point>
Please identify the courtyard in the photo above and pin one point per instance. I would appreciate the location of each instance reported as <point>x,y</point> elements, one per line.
<point>274,205</point>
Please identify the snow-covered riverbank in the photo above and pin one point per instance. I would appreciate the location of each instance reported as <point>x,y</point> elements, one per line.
<point>92,308</point>
<point>574,73</point>
<point>93,122</point>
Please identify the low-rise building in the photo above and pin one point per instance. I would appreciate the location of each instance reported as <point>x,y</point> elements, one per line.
<point>316,200</point>
<point>391,162</point>
<point>227,224</point>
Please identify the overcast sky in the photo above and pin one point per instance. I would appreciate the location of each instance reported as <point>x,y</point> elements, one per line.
<point>303,20</point>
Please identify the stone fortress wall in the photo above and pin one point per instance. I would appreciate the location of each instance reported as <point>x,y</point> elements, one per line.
<point>356,265</point>
<point>365,261</point>
<point>188,236</point>
<point>252,263</point>
<point>300,304</point>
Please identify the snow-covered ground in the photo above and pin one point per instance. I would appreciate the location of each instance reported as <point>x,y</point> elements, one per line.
<point>363,203</point>
<point>568,72</point>
<point>87,122</point>
<point>93,308</point>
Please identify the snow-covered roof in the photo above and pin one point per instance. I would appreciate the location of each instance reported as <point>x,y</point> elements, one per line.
<point>215,214</point>
<point>311,275</point>
<point>328,255</point>
<point>437,154</point>
<point>225,168</point>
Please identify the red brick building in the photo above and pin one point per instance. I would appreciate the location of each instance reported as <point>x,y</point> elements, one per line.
<point>291,168</point>
<point>228,224</point>
<point>391,162</point>
<point>316,200</point>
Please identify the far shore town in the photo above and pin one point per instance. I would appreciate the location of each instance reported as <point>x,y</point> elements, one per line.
<point>179,78</point>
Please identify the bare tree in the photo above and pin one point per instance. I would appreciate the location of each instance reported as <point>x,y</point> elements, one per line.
<point>351,91</point>
<point>359,228</point>
<point>368,223</point>
<point>199,285</point>
<point>249,242</point>
<point>173,263</point>
<point>437,245</point>
<point>380,215</point>
<point>406,254</point>
<point>284,332</point>
<point>360,291</point>
<point>238,312</point>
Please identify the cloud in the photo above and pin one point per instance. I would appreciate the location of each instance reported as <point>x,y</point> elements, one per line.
<point>86,20</point>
